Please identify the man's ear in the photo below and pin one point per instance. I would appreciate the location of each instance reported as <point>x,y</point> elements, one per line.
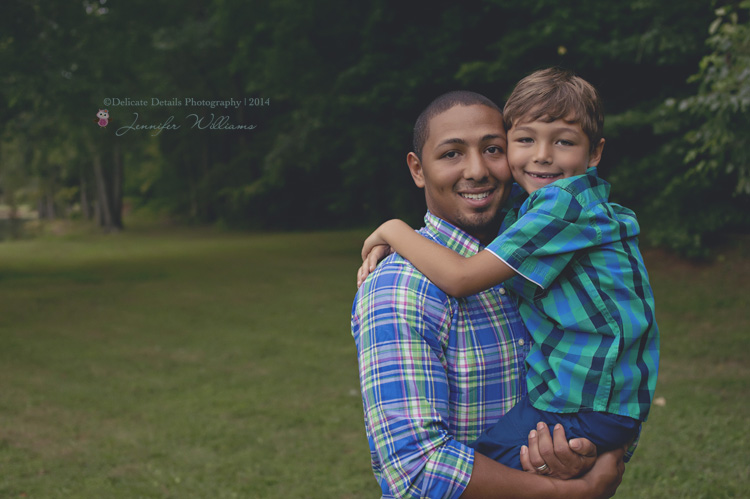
<point>596,155</point>
<point>415,167</point>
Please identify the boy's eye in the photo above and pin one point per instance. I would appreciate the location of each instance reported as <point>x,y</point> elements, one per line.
<point>565,142</point>
<point>525,140</point>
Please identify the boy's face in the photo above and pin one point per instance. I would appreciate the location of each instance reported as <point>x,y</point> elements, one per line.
<point>464,169</point>
<point>540,153</point>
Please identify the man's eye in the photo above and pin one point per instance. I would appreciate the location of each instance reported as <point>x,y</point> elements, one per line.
<point>494,150</point>
<point>450,154</point>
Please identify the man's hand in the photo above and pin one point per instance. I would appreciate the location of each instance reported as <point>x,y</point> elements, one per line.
<point>606,475</point>
<point>555,456</point>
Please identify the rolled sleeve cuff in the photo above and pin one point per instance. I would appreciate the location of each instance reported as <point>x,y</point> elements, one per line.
<point>448,471</point>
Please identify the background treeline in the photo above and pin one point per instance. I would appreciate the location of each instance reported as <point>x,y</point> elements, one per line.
<point>344,84</point>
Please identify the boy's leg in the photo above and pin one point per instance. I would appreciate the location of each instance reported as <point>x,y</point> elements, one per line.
<point>503,441</point>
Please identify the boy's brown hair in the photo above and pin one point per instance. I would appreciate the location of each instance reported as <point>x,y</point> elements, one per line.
<point>555,93</point>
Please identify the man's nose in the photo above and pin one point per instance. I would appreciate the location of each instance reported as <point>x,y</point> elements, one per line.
<point>476,167</point>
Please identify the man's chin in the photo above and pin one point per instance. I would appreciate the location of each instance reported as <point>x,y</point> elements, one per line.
<point>479,225</point>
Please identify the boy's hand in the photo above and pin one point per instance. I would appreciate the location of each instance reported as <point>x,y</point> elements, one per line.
<point>371,261</point>
<point>373,240</point>
<point>555,456</point>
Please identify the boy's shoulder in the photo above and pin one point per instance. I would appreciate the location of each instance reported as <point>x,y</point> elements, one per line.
<point>587,191</point>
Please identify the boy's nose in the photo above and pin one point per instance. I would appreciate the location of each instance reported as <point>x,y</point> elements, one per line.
<point>542,154</point>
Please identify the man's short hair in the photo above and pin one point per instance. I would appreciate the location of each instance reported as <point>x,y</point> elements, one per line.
<point>440,105</point>
<point>555,93</point>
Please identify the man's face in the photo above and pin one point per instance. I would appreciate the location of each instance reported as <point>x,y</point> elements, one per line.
<point>540,153</point>
<point>464,169</point>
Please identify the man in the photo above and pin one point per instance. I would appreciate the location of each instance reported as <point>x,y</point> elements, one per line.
<point>436,371</point>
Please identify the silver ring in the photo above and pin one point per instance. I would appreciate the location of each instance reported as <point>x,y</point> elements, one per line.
<point>542,468</point>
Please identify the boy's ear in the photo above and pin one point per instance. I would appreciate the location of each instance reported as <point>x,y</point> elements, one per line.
<point>415,167</point>
<point>596,155</point>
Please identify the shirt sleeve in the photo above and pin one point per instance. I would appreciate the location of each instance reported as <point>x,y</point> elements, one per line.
<point>397,322</point>
<point>551,227</point>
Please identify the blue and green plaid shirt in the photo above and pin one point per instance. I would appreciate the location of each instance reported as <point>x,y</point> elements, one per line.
<point>435,371</point>
<point>585,298</point>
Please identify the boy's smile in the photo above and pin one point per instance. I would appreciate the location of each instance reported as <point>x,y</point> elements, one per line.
<point>540,153</point>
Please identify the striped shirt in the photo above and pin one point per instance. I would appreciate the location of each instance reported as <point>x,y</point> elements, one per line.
<point>585,297</point>
<point>435,371</point>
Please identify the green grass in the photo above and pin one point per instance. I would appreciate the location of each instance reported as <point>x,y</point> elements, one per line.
<point>696,444</point>
<point>202,364</point>
<point>192,364</point>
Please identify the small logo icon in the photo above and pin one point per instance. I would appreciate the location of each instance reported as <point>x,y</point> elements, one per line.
<point>103,116</point>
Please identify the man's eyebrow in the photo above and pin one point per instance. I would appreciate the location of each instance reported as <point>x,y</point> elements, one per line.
<point>489,136</point>
<point>452,141</point>
<point>492,136</point>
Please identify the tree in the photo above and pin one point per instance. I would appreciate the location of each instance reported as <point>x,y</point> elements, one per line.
<point>709,191</point>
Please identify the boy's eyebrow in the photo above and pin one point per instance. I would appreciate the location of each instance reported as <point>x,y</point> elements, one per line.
<point>526,128</point>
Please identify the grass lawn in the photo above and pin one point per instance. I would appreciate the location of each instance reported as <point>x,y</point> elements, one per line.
<point>202,364</point>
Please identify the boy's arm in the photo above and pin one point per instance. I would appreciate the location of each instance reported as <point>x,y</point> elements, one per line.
<point>454,274</point>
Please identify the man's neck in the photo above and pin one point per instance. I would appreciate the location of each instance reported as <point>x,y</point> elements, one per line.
<point>485,237</point>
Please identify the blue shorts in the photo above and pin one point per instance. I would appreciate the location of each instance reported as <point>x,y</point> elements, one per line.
<point>503,441</point>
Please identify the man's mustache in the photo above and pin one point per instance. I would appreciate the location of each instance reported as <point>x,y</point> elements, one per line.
<point>475,185</point>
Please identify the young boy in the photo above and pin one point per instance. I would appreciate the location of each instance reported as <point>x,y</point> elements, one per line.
<point>572,259</point>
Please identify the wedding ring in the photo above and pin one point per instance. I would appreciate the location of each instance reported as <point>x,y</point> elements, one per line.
<point>542,468</point>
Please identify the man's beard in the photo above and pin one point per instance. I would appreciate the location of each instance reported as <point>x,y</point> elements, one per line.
<point>483,225</point>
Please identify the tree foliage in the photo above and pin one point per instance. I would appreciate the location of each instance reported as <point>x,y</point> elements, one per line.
<point>344,87</point>
<point>708,192</point>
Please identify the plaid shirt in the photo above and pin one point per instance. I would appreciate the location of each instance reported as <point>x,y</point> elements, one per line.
<point>435,371</point>
<point>585,297</point>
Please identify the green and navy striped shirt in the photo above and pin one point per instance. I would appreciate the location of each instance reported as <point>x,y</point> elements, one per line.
<point>435,371</point>
<point>585,298</point>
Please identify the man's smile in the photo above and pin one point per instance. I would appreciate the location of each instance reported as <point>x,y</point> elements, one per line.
<point>477,196</point>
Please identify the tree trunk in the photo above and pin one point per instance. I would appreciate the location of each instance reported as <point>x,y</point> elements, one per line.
<point>117,174</point>
<point>102,198</point>
<point>108,190</point>
<point>85,206</point>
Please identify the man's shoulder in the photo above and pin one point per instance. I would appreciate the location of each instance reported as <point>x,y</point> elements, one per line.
<point>397,299</point>
<point>396,284</point>
<point>396,275</point>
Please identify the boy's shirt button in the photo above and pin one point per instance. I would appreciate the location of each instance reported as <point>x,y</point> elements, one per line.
<point>501,291</point>
<point>521,342</point>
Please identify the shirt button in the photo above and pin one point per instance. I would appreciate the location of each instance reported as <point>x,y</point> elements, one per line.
<point>501,291</point>
<point>521,342</point>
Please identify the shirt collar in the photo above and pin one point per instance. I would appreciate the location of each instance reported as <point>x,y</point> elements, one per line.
<point>450,236</point>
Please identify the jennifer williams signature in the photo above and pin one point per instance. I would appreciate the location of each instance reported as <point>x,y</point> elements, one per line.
<point>210,122</point>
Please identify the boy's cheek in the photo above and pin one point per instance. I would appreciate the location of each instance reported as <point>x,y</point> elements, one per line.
<point>512,160</point>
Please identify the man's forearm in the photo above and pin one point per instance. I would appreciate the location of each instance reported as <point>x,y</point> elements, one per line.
<point>490,479</point>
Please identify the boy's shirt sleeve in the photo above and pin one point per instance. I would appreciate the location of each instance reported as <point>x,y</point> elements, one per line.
<point>551,226</point>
